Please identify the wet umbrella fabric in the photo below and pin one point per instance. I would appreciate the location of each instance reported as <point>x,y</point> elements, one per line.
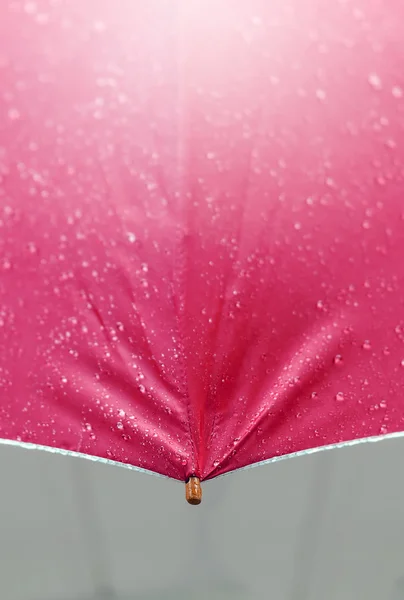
<point>201,228</point>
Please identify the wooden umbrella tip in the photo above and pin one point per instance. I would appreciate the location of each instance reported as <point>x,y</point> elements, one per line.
<point>193,491</point>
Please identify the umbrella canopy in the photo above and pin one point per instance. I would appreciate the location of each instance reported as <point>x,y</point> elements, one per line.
<point>201,228</point>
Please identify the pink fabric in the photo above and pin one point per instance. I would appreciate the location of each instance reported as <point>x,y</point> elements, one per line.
<point>201,227</point>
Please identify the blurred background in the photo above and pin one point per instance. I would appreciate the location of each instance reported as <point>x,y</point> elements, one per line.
<point>327,525</point>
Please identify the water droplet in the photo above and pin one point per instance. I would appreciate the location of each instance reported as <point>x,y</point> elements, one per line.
<point>13,114</point>
<point>42,18</point>
<point>338,360</point>
<point>122,413</point>
<point>119,425</point>
<point>256,21</point>
<point>383,429</point>
<point>383,404</point>
<point>402,363</point>
<point>99,26</point>
<point>216,463</point>
<point>314,394</point>
<point>142,389</point>
<point>210,155</point>
<point>366,224</point>
<point>375,81</point>
<point>321,94</point>
<point>397,91</point>
<point>390,143</point>
<point>131,237</point>
<point>339,397</point>
<point>30,8</point>
<point>366,345</point>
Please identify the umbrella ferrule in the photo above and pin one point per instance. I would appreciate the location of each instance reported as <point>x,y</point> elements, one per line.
<point>193,490</point>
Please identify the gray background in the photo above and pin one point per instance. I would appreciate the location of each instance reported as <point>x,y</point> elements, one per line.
<point>326,526</point>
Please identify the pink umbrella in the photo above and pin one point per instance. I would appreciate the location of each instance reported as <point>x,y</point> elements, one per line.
<point>200,229</point>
